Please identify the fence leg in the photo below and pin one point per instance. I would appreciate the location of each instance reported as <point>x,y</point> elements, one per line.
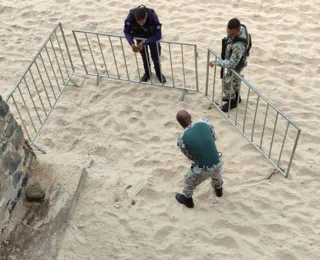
<point>184,92</point>
<point>98,79</point>
<point>38,148</point>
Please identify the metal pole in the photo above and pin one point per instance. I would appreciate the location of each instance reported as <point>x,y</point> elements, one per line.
<point>264,125</point>
<point>284,140</point>
<point>45,90</point>
<point>223,80</point>
<point>214,82</point>
<point>25,128</point>
<point>229,103</point>
<point>293,152</point>
<point>171,65</point>
<point>114,57</point>
<point>124,57</point>
<point>55,97</point>
<point>34,105</point>
<point>95,65</point>
<point>135,54</point>
<point>54,73</point>
<point>145,49</point>
<point>238,99</point>
<point>27,109</point>
<point>64,62</point>
<point>159,62</point>
<point>184,75</point>
<point>245,112</point>
<point>104,60</point>
<point>55,55</point>
<point>254,118</point>
<point>67,48</point>
<point>274,130</point>
<point>207,75</point>
<point>196,66</point>
<point>44,86</point>
<point>84,65</point>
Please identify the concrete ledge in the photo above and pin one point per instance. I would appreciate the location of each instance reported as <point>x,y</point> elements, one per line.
<point>35,229</point>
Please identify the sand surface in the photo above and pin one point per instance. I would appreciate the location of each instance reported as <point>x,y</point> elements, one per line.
<point>129,131</point>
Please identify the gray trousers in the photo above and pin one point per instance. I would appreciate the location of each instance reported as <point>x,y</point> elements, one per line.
<point>197,175</point>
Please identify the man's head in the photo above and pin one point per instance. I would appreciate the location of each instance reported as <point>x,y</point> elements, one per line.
<point>233,28</point>
<point>184,118</point>
<point>141,15</point>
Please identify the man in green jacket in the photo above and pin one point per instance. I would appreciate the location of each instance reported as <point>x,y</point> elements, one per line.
<point>197,143</point>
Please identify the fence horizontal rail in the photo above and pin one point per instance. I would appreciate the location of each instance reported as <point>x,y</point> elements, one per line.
<point>104,55</point>
<point>262,112</point>
<point>40,87</point>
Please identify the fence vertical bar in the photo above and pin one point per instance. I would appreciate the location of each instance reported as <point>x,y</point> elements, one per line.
<point>24,102</point>
<point>104,60</point>
<point>231,87</point>
<point>238,100</point>
<point>54,73</point>
<point>171,65</point>
<point>196,66</point>
<point>34,105</point>
<point>77,43</point>
<point>223,79</point>
<point>274,131</point>
<point>284,140</point>
<point>67,48</point>
<point>245,112</point>
<point>114,57</point>
<point>264,125</point>
<point>184,74</point>
<point>146,51</point>
<point>135,55</point>
<point>158,53</point>
<point>293,152</point>
<point>64,62</point>
<point>58,63</point>
<point>45,90</point>
<point>44,86</point>
<point>207,75</point>
<point>45,69</point>
<point>124,57</point>
<point>254,118</point>
<point>94,62</point>
<point>214,82</point>
<point>24,125</point>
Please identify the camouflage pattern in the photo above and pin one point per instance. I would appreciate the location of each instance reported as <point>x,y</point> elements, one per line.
<point>196,176</point>
<point>234,53</point>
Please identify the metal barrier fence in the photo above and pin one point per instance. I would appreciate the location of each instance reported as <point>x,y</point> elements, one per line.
<point>41,85</point>
<point>268,125</point>
<point>104,56</point>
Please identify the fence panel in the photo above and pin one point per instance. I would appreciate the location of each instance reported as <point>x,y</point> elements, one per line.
<point>261,123</point>
<point>41,85</point>
<point>109,56</point>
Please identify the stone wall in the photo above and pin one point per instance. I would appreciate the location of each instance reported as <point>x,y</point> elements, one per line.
<point>16,157</point>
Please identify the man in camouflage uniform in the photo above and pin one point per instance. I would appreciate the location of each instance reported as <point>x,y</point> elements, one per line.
<point>237,48</point>
<point>197,143</point>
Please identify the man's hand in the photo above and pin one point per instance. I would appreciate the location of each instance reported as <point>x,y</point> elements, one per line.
<point>216,62</point>
<point>134,48</point>
<point>140,46</point>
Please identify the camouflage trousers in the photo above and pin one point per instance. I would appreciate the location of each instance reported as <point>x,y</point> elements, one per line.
<point>197,175</point>
<point>230,89</point>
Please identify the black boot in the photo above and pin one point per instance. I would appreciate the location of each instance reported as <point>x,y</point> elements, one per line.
<point>233,104</point>
<point>145,77</point>
<point>226,99</point>
<point>219,192</point>
<point>161,78</point>
<point>188,202</point>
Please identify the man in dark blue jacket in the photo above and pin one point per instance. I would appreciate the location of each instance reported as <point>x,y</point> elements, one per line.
<point>143,23</point>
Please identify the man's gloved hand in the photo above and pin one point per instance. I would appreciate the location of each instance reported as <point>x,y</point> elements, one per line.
<point>134,48</point>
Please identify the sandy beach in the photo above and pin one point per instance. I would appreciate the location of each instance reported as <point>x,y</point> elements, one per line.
<point>125,134</point>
